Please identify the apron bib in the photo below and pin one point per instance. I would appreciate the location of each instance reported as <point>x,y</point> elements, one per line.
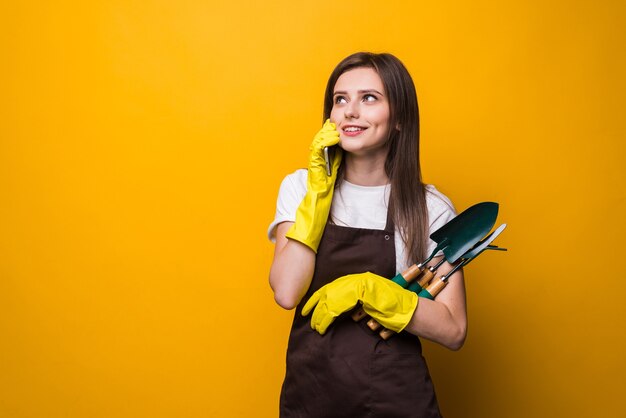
<point>350,372</point>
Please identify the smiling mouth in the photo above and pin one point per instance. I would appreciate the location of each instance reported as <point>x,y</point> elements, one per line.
<point>353,129</point>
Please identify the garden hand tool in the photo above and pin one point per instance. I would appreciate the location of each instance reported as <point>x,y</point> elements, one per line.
<point>454,238</point>
<point>438,284</point>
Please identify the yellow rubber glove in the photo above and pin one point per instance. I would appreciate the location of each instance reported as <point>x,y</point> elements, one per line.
<point>313,211</point>
<point>385,301</point>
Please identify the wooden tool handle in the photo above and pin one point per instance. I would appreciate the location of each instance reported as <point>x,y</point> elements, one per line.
<point>359,314</point>
<point>427,275</point>
<point>373,324</point>
<point>436,286</point>
<point>412,272</point>
<point>385,334</point>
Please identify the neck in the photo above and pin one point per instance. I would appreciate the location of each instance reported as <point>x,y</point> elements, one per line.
<point>365,171</point>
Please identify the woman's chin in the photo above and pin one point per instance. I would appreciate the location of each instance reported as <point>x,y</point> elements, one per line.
<point>361,150</point>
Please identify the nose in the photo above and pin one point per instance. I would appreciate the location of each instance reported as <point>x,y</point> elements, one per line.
<point>352,110</point>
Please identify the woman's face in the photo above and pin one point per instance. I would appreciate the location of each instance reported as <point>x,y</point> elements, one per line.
<point>361,112</point>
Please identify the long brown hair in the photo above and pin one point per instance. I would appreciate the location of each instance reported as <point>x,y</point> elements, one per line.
<point>407,201</point>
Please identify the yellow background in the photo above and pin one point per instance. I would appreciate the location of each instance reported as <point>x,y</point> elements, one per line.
<point>142,144</point>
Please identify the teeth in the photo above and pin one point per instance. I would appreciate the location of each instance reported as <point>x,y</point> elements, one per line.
<point>353,129</point>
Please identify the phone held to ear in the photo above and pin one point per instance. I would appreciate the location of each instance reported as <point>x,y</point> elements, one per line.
<point>328,159</point>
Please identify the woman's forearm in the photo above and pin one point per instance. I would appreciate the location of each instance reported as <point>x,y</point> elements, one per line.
<point>443,320</point>
<point>434,321</point>
<point>292,269</point>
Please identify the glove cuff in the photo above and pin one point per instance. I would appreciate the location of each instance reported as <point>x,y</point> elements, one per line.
<point>311,218</point>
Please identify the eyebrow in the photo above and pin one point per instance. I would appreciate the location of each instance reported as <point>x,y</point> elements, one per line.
<point>360,92</point>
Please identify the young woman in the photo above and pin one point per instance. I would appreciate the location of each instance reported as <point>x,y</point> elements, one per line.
<point>340,237</point>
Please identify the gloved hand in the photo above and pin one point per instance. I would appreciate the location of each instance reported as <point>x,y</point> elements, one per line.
<point>385,301</point>
<point>313,211</point>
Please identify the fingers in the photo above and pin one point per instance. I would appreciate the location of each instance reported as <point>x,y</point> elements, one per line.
<point>326,137</point>
<point>329,126</point>
<point>324,323</point>
<point>320,312</point>
<point>322,318</point>
<point>311,303</point>
<point>332,300</point>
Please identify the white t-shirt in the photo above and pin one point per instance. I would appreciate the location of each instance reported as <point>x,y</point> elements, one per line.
<point>360,207</point>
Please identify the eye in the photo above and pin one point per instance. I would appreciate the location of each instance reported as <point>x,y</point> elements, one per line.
<point>340,99</point>
<point>370,98</point>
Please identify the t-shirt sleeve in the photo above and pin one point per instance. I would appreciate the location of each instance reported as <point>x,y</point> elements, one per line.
<point>440,212</point>
<point>291,192</point>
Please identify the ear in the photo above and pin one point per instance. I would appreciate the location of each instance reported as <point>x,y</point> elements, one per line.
<point>398,127</point>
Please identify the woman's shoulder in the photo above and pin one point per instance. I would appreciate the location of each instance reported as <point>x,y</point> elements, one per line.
<point>295,182</point>
<point>437,200</point>
<point>292,190</point>
<point>440,208</point>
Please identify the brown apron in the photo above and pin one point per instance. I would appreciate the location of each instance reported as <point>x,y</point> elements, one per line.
<point>350,372</point>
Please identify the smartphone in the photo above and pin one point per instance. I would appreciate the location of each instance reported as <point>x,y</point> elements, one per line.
<point>327,158</point>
